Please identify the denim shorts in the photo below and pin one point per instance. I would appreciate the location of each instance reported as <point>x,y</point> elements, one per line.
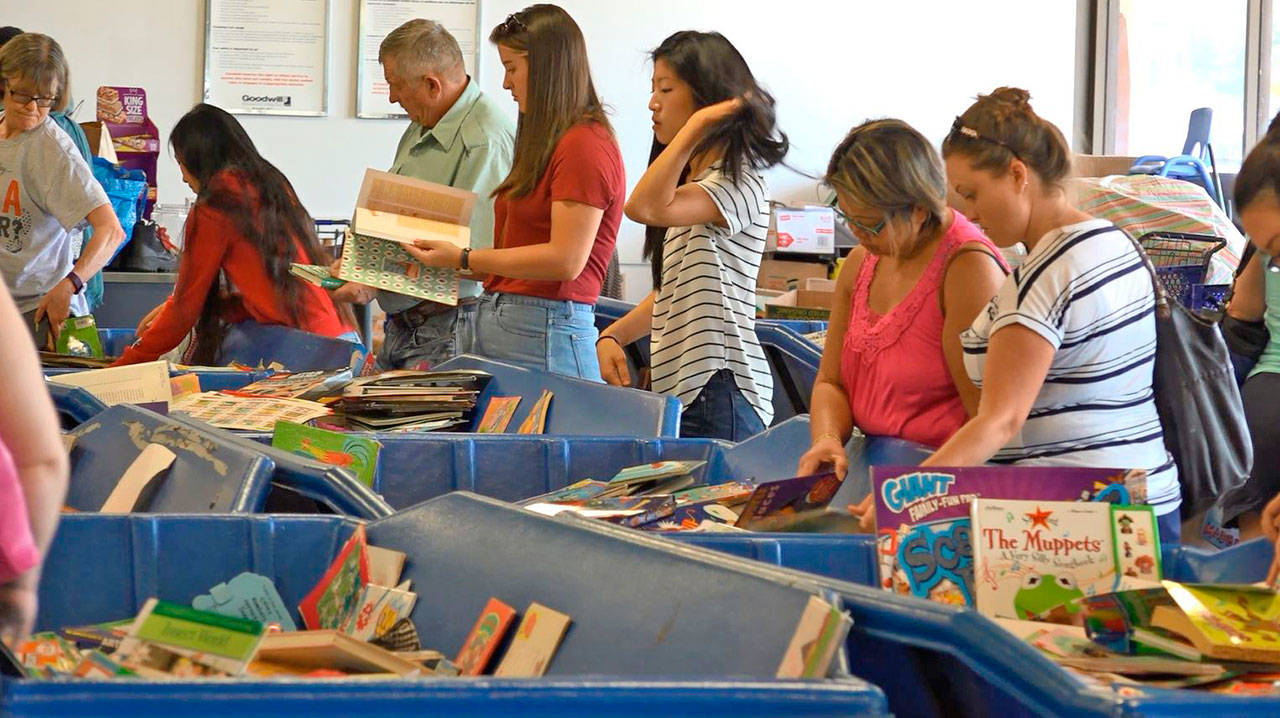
<point>548,334</point>
<point>418,340</point>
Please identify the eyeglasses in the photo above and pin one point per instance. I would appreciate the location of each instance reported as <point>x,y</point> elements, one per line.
<point>23,98</point>
<point>959,128</point>
<point>513,24</point>
<point>855,224</point>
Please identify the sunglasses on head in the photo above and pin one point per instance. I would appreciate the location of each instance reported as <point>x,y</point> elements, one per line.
<point>958,129</point>
<point>513,24</point>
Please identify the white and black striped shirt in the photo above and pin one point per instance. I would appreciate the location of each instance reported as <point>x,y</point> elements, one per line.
<point>1085,290</point>
<point>704,314</point>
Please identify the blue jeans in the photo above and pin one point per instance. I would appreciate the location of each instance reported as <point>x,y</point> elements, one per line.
<point>551,335</point>
<point>720,411</point>
<point>1170,526</point>
<point>421,339</point>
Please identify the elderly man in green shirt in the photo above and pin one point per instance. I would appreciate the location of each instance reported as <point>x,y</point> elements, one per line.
<point>458,137</point>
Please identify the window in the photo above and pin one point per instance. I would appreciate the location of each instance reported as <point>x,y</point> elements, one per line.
<point>1174,56</point>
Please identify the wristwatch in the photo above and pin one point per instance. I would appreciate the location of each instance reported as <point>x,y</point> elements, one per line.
<point>76,282</point>
<point>465,263</point>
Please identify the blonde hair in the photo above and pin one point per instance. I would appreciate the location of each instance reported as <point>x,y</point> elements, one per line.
<point>889,166</point>
<point>38,58</point>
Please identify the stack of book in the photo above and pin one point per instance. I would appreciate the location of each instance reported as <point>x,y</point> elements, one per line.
<point>410,400</point>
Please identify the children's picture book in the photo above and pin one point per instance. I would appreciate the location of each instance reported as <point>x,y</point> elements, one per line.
<point>1239,623</point>
<point>656,471</point>
<point>168,637</point>
<point>357,454</point>
<point>923,530</point>
<point>332,650</point>
<point>536,421</point>
<point>1137,542</point>
<point>336,594</point>
<point>535,643</point>
<point>385,565</point>
<point>145,384</point>
<point>247,413</point>
<point>1033,559</point>
<point>498,414</point>
<point>786,499</point>
<point>379,608</point>
<point>729,493</point>
<point>96,664</point>
<point>315,274</point>
<point>309,385</point>
<point>248,595</point>
<point>392,210</point>
<point>694,517</point>
<point>484,638</point>
<point>575,493</point>
<point>821,630</point>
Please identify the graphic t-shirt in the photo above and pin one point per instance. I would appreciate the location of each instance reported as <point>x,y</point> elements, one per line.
<point>46,191</point>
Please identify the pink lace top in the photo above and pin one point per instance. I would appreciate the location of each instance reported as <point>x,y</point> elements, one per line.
<point>892,366</point>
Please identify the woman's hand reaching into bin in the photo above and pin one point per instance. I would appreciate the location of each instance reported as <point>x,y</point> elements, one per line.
<point>613,361</point>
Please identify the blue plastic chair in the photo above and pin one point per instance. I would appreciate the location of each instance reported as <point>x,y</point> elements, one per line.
<point>1195,164</point>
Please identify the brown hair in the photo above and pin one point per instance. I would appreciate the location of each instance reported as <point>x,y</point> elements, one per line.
<point>889,166</point>
<point>1001,127</point>
<point>561,93</point>
<point>38,58</point>
<point>1260,172</point>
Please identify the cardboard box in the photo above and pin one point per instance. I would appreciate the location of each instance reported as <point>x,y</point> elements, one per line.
<point>803,230</point>
<point>100,144</point>
<point>1100,165</point>
<point>783,275</point>
<point>813,300</point>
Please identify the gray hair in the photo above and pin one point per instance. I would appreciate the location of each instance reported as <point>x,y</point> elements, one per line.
<point>889,166</point>
<point>38,58</point>
<point>421,46</point>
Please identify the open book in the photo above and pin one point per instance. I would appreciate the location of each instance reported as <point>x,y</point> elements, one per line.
<point>392,210</point>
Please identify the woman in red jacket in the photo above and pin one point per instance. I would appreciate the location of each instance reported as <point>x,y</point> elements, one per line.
<point>244,231</point>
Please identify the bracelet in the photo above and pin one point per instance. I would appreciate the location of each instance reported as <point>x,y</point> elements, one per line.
<point>77,284</point>
<point>828,435</point>
<point>607,336</point>
<point>465,263</point>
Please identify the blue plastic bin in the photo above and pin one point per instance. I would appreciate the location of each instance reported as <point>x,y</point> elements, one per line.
<point>74,404</point>
<point>658,629</point>
<point>416,467</point>
<point>799,326</point>
<point>579,407</point>
<point>214,471</point>
<point>254,344</point>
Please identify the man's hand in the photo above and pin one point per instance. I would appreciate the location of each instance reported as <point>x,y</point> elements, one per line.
<point>56,306</point>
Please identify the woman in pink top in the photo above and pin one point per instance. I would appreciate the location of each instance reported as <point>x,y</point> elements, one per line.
<point>893,364</point>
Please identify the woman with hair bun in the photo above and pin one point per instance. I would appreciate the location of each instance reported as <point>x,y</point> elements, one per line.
<point>1064,353</point>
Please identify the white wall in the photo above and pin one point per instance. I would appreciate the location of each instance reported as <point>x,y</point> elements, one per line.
<point>830,63</point>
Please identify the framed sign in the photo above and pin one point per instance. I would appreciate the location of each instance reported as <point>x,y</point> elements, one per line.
<point>379,17</point>
<point>267,57</point>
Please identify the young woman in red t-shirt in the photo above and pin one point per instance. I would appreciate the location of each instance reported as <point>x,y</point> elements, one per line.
<point>556,215</point>
<point>244,231</point>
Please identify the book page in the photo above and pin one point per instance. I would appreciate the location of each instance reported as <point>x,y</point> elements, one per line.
<point>387,192</point>
<point>135,384</point>
<point>406,229</point>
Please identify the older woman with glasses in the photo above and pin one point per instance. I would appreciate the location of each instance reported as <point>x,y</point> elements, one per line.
<point>893,364</point>
<point>46,191</point>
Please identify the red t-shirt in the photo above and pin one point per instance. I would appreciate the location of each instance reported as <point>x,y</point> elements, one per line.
<point>214,242</point>
<point>586,167</point>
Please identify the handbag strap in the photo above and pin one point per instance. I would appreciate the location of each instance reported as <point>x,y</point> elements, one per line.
<point>1163,308</point>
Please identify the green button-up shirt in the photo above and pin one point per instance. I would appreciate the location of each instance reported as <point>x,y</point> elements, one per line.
<point>469,148</point>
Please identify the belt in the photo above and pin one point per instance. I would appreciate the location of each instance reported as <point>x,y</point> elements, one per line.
<point>427,309</point>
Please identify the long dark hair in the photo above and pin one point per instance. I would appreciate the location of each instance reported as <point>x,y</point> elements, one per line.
<point>715,71</point>
<point>561,93</point>
<point>1261,169</point>
<point>208,141</point>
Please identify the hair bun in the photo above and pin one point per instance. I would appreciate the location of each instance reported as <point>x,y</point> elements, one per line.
<point>1015,96</point>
